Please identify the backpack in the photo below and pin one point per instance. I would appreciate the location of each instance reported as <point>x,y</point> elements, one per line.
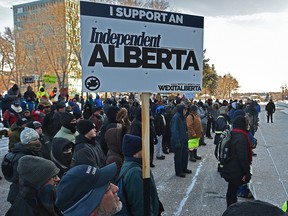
<point>222,151</point>
<point>122,193</point>
<point>7,166</point>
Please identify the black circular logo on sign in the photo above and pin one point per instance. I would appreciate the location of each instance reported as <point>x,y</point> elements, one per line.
<point>92,83</point>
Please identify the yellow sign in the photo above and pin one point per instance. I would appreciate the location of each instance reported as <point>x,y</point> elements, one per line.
<point>49,79</point>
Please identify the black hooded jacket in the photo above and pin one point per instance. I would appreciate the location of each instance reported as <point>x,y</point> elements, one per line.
<point>111,118</point>
<point>88,152</point>
<point>240,153</point>
<point>61,160</point>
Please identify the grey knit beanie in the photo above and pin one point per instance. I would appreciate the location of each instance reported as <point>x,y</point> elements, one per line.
<point>36,170</point>
<point>28,135</point>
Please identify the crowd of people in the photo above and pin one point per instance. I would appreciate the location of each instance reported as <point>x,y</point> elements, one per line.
<point>60,143</point>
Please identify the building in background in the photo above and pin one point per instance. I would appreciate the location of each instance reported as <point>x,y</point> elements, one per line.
<point>47,40</point>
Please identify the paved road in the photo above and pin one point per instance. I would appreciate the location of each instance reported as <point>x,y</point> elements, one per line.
<point>202,193</point>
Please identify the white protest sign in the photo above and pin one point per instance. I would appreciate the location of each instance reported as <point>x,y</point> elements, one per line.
<point>126,49</point>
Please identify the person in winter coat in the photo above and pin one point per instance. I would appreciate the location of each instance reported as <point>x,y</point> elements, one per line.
<point>136,129</point>
<point>113,138</point>
<point>61,154</point>
<point>28,104</point>
<point>44,139</point>
<point>90,101</point>
<point>16,129</point>
<point>201,112</point>
<point>68,128</point>
<point>166,139</point>
<point>38,181</point>
<point>42,95</point>
<point>87,150</point>
<point>160,123</point>
<point>251,109</point>
<point>132,180</point>
<point>179,141</point>
<point>194,129</point>
<point>133,109</point>
<point>111,114</point>
<point>97,118</point>
<point>14,93</point>
<point>98,102</point>
<point>270,109</point>
<point>87,112</point>
<point>30,93</point>
<point>221,124</point>
<point>12,114</point>
<point>42,110</point>
<point>123,119</point>
<point>210,119</point>
<point>236,171</point>
<point>29,145</point>
<point>215,113</point>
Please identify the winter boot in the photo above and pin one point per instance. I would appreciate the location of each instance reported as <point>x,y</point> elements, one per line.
<point>191,156</point>
<point>195,155</point>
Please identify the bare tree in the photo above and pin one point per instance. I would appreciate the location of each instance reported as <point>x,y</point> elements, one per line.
<point>226,85</point>
<point>9,60</point>
<point>52,38</point>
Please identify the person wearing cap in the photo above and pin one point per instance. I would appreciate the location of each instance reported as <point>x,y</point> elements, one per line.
<point>68,128</point>
<point>29,145</point>
<point>87,150</point>
<point>44,139</point>
<point>38,181</point>
<point>61,154</point>
<point>132,180</point>
<point>96,196</point>
<point>179,141</point>
<point>27,114</point>
<point>16,129</point>
<point>12,114</point>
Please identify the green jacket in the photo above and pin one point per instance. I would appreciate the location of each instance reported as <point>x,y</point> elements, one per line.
<point>133,185</point>
<point>67,134</point>
<point>14,136</point>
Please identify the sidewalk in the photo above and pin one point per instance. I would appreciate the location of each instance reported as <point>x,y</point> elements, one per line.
<point>270,171</point>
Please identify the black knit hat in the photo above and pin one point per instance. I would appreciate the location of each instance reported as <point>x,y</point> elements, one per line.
<point>36,170</point>
<point>131,145</point>
<point>22,121</point>
<point>84,126</point>
<point>66,118</point>
<point>34,124</point>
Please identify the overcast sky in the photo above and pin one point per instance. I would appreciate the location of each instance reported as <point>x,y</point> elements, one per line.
<point>246,38</point>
